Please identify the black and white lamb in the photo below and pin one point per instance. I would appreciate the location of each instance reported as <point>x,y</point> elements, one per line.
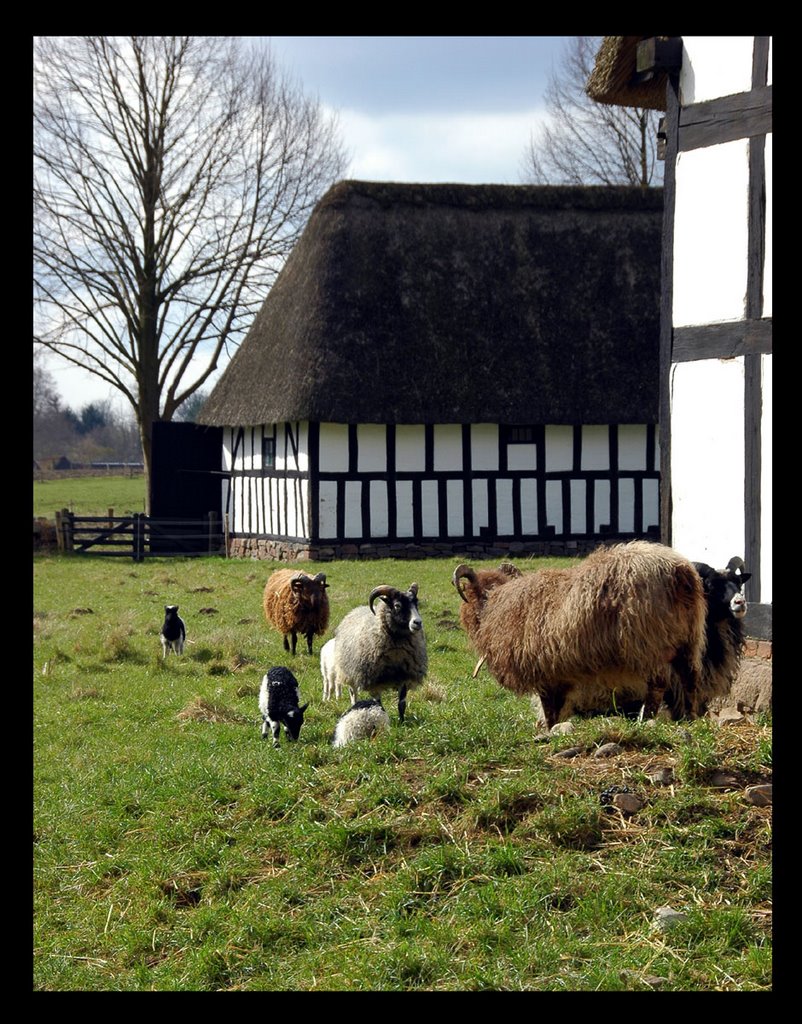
<point>279,698</point>
<point>361,721</point>
<point>382,646</point>
<point>173,633</point>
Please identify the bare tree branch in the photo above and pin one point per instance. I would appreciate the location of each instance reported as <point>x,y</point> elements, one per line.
<point>588,143</point>
<point>172,177</point>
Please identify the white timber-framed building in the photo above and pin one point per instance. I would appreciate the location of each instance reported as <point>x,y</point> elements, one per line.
<point>448,368</point>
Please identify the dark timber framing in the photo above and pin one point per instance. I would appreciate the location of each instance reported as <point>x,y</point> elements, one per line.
<point>579,490</point>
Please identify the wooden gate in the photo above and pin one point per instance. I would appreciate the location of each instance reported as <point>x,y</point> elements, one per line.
<point>139,536</point>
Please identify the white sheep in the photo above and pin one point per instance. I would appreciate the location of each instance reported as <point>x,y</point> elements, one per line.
<point>332,684</point>
<point>384,647</point>
<point>361,721</point>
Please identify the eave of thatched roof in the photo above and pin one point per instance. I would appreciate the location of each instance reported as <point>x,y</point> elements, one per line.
<point>613,79</point>
<point>406,303</point>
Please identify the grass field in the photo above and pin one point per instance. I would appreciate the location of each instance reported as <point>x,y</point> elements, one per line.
<point>89,495</point>
<point>176,851</point>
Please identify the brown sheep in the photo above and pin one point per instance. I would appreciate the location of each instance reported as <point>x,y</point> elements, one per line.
<point>294,603</point>
<point>625,624</point>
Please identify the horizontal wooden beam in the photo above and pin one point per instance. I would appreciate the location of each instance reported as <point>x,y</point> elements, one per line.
<point>725,119</point>
<point>721,341</point>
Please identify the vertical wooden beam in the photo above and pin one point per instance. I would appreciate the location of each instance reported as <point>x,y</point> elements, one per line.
<point>671,126</point>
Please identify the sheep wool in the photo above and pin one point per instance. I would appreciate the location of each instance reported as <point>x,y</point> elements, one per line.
<point>296,603</point>
<point>361,721</point>
<point>626,623</point>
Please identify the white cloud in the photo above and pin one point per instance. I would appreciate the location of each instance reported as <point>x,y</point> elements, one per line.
<point>472,148</point>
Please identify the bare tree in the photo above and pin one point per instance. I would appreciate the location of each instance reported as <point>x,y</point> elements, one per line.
<point>589,143</point>
<point>172,176</point>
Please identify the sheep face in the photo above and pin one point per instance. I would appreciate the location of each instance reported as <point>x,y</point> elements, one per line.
<point>723,589</point>
<point>401,613</point>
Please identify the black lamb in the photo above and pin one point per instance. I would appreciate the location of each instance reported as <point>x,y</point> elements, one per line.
<point>279,697</point>
<point>173,633</point>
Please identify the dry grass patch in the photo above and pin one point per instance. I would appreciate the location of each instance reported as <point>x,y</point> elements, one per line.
<point>201,710</point>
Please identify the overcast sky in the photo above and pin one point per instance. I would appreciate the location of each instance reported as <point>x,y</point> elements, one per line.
<point>410,108</point>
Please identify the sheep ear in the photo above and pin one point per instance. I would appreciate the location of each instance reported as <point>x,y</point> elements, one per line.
<point>744,576</point>
<point>301,710</point>
<point>414,589</point>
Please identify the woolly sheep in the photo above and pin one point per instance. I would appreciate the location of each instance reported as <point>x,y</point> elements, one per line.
<point>626,623</point>
<point>173,633</point>
<point>383,647</point>
<point>294,603</point>
<point>361,721</point>
<point>279,697</point>
<point>332,684</point>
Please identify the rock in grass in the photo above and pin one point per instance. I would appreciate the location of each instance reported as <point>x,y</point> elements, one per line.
<point>760,795</point>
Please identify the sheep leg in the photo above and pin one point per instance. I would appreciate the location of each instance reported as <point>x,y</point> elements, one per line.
<point>309,636</point>
<point>402,702</point>
<point>684,700</point>
<point>286,643</point>
<point>294,641</point>
<point>552,702</point>
<point>655,692</point>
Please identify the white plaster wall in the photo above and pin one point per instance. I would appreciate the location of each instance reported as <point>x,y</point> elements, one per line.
<point>285,455</point>
<point>371,441</point>
<point>651,504</point>
<point>410,449</point>
<point>504,521</point>
<point>448,447</point>
<point>601,501</point>
<point>595,447</point>
<point>379,521</point>
<point>765,485</point>
<point>632,447</point>
<point>484,446</point>
<point>327,509</point>
<point>529,507</point>
<point>405,521</point>
<point>455,523</point>
<point>559,449</point>
<point>480,505</point>
<point>521,456</point>
<point>578,516</point>
<point>711,234</point>
<point>334,447</point>
<point>707,460</point>
<point>714,66</point>
<point>353,508</point>
<point>431,518</point>
<point>554,505</point>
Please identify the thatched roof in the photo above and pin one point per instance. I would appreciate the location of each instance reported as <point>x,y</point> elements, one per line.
<point>613,81</point>
<point>406,303</point>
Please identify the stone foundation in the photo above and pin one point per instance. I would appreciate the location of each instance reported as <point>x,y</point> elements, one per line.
<point>287,551</point>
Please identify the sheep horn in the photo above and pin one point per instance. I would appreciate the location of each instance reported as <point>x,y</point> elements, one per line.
<point>736,564</point>
<point>413,589</point>
<point>479,664</point>
<point>462,572</point>
<point>382,592</point>
<point>321,579</point>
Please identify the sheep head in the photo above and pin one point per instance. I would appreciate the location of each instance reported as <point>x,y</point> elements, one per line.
<point>402,607</point>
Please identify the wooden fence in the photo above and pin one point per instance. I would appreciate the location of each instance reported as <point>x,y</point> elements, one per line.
<point>138,536</point>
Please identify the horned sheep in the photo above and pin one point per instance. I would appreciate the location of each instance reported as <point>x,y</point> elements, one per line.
<point>627,623</point>
<point>382,646</point>
<point>296,603</point>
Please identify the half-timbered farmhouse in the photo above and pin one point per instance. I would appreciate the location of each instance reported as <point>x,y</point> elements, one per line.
<point>716,317</point>
<point>450,367</point>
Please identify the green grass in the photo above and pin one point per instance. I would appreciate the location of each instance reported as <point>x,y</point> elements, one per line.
<point>89,495</point>
<point>176,851</point>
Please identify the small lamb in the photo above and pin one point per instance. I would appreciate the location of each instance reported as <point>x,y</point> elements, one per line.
<point>361,721</point>
<point>279,695</point>
<point>173,633</point>
<point>332,684</point>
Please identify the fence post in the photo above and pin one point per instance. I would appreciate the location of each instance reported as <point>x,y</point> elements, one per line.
<point>59,532</point>
<point>139,545</point>
<point>111,517</point>
<point>68,528</point>
<point>226,537</point>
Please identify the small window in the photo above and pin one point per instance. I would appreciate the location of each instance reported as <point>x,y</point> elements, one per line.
<point>520,435</point>
<point>268,453</point>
